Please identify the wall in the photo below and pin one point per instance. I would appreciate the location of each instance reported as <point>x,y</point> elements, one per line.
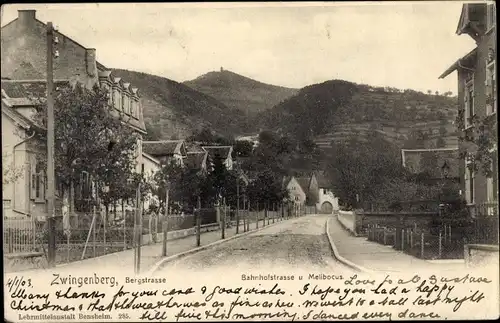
<point>481,255</point>
<point>296,192</point>
<point>14,194</point>
<point>348,220</point>
<point>486,42</point>
<point>328,197</point>
<point>24,52</point>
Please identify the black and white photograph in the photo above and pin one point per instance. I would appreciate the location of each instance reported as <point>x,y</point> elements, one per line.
<point>242,161</point>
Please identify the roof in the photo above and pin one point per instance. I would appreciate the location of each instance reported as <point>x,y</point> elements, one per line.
<point>27,92</point>
<point>223,151</point>
<point>20,93</point>
<point>195,160</point>
<point>193,147</point>
<point>323,182</point>
<point>19,118</point>
<point>416,161</point>
<point>304,183</point>
<point>163,147</point>
<point>461,63</point>
<point>151,158</point>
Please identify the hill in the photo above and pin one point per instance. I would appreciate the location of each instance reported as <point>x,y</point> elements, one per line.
<point>337,110</point>
<point>240,92</point>
<point>172,109</point>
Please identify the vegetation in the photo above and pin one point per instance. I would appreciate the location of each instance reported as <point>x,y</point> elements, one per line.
<point>91,138</point>
<point>240,92</point>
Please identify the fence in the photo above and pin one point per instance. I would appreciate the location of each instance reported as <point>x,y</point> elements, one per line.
<point>19,235</point>
<point>92,235</point>
<point>442,236</point>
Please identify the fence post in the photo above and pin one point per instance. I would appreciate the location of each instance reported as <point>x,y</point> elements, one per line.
<point>411,239</point>
<point>124,229</point>
<point>198,223</point>
<point>385,236</point>
<point>93,230</point>
<point>422,245</point>
<point>223,231</point>
<point>403,231</point>
<point>440,245</point>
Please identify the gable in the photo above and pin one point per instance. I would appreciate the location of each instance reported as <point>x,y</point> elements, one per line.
<point>294,186</point>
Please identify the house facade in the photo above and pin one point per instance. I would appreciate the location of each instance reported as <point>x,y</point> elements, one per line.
<point>297,192</point>
<point>477,90</point>
<point>167,151</point>
<point>23,67</point>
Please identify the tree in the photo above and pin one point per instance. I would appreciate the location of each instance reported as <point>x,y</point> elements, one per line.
<point>92,137</point>
<point>11,173</point>
<point>243,148</point>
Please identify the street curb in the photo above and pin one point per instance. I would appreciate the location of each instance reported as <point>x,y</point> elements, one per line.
<point>339,257</point>
<point>165,260</point>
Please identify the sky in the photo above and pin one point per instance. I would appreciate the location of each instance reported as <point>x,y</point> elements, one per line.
<point>398,44</point>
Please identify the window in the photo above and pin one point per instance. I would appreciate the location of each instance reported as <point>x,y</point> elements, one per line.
<point>491,90</point>
<point>469,180</point>
<point>133,104</point>
<point>125,104</point>
<point>142,168</point>
<point>492,181</point>
<point>491,17</point>
<point>469,103</point>
<point>38,182</point>
<point>118,100</point>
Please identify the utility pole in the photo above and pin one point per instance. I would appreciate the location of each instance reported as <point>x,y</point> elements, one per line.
<point>238,207</point>
<point>50,148</point>
<point>165,221</point>
<point>198,223</point>
<point>138,230</point>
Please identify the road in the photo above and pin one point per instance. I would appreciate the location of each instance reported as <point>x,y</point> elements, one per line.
<point>299,243</point>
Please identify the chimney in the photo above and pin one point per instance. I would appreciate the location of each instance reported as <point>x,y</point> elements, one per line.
<point>91,63</point>
<point>26,17</point>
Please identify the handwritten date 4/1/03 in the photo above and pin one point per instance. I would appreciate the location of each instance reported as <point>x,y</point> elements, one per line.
<point>16,282</point>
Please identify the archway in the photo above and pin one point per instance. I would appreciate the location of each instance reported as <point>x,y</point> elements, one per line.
<point>326,208</point>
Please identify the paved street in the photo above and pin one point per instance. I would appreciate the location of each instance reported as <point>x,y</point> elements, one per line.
<point>299,243</point>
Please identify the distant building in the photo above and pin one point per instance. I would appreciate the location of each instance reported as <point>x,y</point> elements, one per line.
<point>166,151</point>
<point>224,152</point>
<point>438,163</point>
<point>477,97</point>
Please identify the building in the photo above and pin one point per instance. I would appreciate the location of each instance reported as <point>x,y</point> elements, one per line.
<point>303,190</point>
<point>167,151</point>
<point>297,189</point>
<point>327,203</point>
<point>23,67</point>
<point>150,166</point>
<point>224,152</point>
<point>197,160</point>
<point>477,90</point>
<point>437,163</point>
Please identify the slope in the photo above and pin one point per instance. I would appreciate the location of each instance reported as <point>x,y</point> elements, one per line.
<point>240,92</point>
<point>337,110</point>
<point>172,109</point>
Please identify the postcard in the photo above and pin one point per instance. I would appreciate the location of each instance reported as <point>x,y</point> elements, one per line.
<point>275,161</point>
